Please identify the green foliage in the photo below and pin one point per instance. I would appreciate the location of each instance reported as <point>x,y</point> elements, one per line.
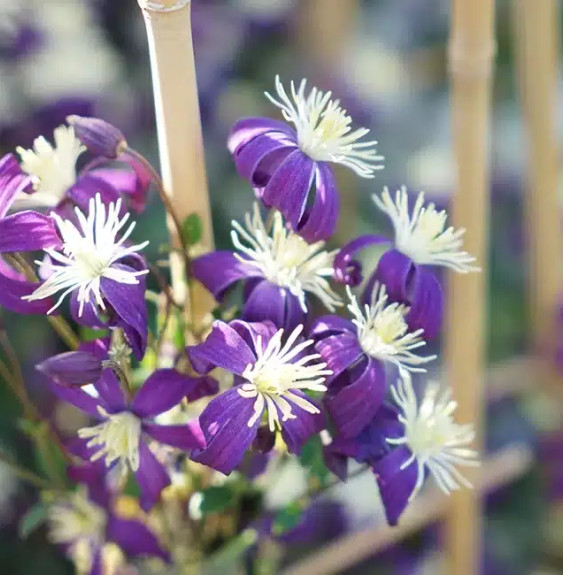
<point>192,230</point>
<point>288,518</point>
<point>32,520</point>
<point>312,459</point>
<point>217,499</point>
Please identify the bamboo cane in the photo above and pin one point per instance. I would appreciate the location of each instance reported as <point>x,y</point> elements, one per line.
<point>537,42</point>
<point>182,161</point>
<point>470,61</point>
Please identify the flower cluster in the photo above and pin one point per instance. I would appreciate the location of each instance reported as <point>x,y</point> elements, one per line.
<point>250,388</point>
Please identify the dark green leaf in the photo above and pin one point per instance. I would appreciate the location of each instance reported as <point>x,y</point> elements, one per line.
<point>192,229</point>
<point>313,460</point>
<point>33,519</point>
<point>216,499</point>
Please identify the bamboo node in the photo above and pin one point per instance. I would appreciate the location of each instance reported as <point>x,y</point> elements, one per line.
<point>163,6</point>
<point>471,63</point>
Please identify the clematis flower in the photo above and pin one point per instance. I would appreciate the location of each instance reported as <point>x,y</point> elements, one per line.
<point>279,269</point>
<point>273,376</point>
<point>21,232</point>
<point>98,269</point>
<point>285,164</point>
<point>431,441</point>
<point>356,352</point>
<point>126,429</point>
<point>421,240</point>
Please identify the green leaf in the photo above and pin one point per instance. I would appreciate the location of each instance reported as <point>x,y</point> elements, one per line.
<point>216,499</point>
<point>223,560</point>
<point>312,459</point>
<point>192,230</point>
<point>288,518</point>
<point>33,519</point>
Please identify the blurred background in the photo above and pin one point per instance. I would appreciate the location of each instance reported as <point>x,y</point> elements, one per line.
<point>386,61</point>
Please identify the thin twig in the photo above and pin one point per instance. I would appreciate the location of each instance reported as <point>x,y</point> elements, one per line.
<point>163,285</point>
<point>25,474</point>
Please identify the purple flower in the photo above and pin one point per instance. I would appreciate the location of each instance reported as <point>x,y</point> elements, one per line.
<point>284,164</point>
<point>97,268</point>
<point>21,232</point>
<point>356,351</point>
<point>421,240</point>
<point>100,137</point>
<point>273,376</point>
<point>126,428</point>
<point>279,270</point>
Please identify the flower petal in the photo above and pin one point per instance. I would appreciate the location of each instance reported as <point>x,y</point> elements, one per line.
<point>27,231</point>
<point>395,484</point>
<point>250,332</point>
<point>111,391</point>
<point>12,182</point>
<point>134,538</point>
<point>339,352</point>
<point>246,129</point>
<point>12,291</point>
<point>289,187</point>
<point>224,423</point>
<point>328,325</point>
<point>184,437</point>
<point>87,186</point>
<point>354,405</point>
<point>77,397</point>
<point>347,270</point>
<point>151,476</point>
<point>163,390</point>
<point>203,386</point>
<point>296,432</point>
<point>219,270</point>
<point>72,368</point>
<point>319,222</point>
<point>225,348</point>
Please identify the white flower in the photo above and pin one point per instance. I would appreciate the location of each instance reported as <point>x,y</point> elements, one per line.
<point>423,236</point>
<point>436,441</point>
<point>53,169</point>
<point>324,131</point>
<point>285,258</point>
<point>273,379</point>
<point>383,332</point>
<point>118,438</point>
<point>90,252</point>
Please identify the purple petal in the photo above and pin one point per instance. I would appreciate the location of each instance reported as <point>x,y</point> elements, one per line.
<point>12,291</point>
<point>12,181</point>
<point>340,352</point>
<point>225,348</point>
<point>296,432</point>
<point>328,325</point>
<point>143,176</point>
<point>354,405</point>
<point>77,397</point>
<point>90,313</point>
<point>27,231</point>
<point>151,476</point>
<point>163,390</point>
<point>395,485</point>
<point>289,187</point>
<point>97,347</point>
<point>247,129</point>
<point>319,222</point>
<point>100,137</point>
<point>224,423</point>
<point>128,302</point>
<point>218,271</point>
<point>134,538</point>
<point>347,270</point>
<point>413,285</point>
<point>184,437</point>
<point>204,386</point>
<point>72,368</point>
<point>268,301</point>
<point>97,567</point>
<point>111,392</point>
<point>87,186</point>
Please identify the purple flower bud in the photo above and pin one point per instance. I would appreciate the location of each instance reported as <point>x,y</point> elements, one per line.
<point>100,137</point>
<point>72,368</point>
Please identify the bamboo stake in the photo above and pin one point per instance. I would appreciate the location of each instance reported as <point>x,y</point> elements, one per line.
<point>182,160</point>
<point>470,61</point>
<point>499,470</point>
<point>537,43</point>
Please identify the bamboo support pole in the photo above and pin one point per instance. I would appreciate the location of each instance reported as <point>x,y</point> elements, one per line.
<point>536,27</point>
<point>178,122</point>
<point>499,470</point>
<point>471,55</point>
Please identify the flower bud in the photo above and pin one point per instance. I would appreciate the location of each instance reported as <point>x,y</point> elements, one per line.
<point>100,137</point>
<point>72,368</point>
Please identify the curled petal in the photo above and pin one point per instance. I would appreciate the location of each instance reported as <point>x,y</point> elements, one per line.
<point>12,182</point>
<point>87,186</point>
<point>347,270</point>
<point>246,129</point>
<point>340,352</point>
<point>328,325</point>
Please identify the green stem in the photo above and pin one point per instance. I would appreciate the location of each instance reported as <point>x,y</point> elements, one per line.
<point>25,474</point>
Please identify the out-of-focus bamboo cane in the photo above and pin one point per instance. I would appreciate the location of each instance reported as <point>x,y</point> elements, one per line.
<point>536,26</point>
<point>471,55</point>
<point>182,161</point>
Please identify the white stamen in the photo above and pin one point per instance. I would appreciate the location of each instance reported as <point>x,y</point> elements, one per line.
<point>436,441</point>
<point>53,168</point>
<point>423,236</point>
<point>118,438</point>
<point>324,131</point>
<point>286,259</point>
<point>273,380</point>
<point>74,518</point>
<point>89,253</point>
<point>383,332</point>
